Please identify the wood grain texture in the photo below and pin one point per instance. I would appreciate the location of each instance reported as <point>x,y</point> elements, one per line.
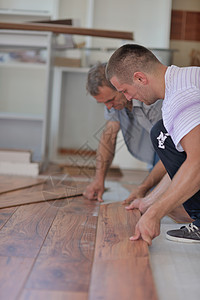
<point>13,274</point>
<point>121,268</point>
<point>44,193</point>
<point>24,233</point>
<point>12,183</point>
<point>122,279</point>
<point>115,226</point>
<point>58,274</point>
<point>65,261</point>
<point>5,215</point>
<point>67,29</point>
<point>52,250</point>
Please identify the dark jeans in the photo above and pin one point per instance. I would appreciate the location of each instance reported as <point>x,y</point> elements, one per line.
<point>172,160</point>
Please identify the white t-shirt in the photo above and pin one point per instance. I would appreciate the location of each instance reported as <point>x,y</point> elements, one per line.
<point>181,105</point>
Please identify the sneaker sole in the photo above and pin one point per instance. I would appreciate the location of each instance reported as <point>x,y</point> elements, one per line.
<point>176,239</point>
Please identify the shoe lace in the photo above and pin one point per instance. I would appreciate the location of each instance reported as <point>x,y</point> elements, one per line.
<point>191,227</point>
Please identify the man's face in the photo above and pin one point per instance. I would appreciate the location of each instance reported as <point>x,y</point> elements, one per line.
<point>137,90</point>
<point>111,98</point>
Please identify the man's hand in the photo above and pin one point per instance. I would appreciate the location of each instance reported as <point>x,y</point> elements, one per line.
<point>136,193</point>
<point>147,228</point>
<point>94,191</point>
<point>137,203</point>
<point>142,203</point>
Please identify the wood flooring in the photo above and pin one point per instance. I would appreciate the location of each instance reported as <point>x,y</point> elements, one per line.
<point>121,269</point>
<point>69,248</point>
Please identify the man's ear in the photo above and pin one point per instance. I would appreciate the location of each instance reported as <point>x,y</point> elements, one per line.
<point>140,77</point>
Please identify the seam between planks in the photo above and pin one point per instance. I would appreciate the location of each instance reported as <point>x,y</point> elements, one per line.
<point>21,188</point>
<point>96,267</point>
<point>36,257</point>
<point>16,208</point>
<point>40,201</point>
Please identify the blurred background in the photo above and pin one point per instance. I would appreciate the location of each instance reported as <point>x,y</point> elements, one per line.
<point>44,106</point>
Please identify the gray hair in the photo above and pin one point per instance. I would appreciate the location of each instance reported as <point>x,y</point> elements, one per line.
<point>97,78</point>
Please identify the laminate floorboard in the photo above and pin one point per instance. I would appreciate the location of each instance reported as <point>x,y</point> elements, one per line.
<point>46,247</point>
<point>12,183</point>
<point>65,260</point>
<point>13,274</point>
<point>115,226</point>
<point>23,234</point>
<point>39,194</point>
<point>52,250</point>
<point>21,238</point>
<point>5,215</point>
<point>121,268</point>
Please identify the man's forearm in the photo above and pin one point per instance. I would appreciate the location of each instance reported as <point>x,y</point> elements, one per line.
<point>160,188</point>
<point>154,176</point>
<point>185,184</point>
<point>106,149</point>
<point>186,181</point>
<point>103,161</point>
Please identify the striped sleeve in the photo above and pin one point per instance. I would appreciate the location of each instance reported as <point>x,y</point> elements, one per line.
<point>184,114</point>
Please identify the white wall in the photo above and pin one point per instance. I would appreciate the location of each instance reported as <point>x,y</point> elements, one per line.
<point>150,22</point>
<point>81,117</point>
<point>148,19</point>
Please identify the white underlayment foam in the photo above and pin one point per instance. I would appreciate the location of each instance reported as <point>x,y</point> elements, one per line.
<point>116,192</point>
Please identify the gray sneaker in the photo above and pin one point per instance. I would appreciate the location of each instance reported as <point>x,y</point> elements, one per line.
<point>187,234</point>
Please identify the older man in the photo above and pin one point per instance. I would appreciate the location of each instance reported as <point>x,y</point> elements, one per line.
<point>135,120</point>
<point>138,74</point>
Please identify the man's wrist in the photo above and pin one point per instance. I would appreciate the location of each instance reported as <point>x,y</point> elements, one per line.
<point>155,211</point>
<point>143,188</point>
<point>147,185</point>
<point>99,178</point>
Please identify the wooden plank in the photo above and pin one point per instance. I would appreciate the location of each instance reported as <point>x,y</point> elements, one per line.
<point>115,226</point>
<point>121,268</point>
<point>24,233</point>
<point>65,261</point>
<point>12,183</point>
<point>14,271</point>
<point>67,29</point>
<point>44,193</point>
<point>122,279</point>
<point>59,273</point>
<point>57,21</point>
<point>5,215</point>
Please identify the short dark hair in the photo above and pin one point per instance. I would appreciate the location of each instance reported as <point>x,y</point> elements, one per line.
<point>128,59</point>
<point>97,78</point>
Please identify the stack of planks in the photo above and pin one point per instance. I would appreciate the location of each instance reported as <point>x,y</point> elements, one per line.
<point>58,245</point>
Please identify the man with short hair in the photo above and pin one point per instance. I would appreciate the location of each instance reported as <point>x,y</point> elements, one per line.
<point>135,119</point>
<point>138,74</point>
